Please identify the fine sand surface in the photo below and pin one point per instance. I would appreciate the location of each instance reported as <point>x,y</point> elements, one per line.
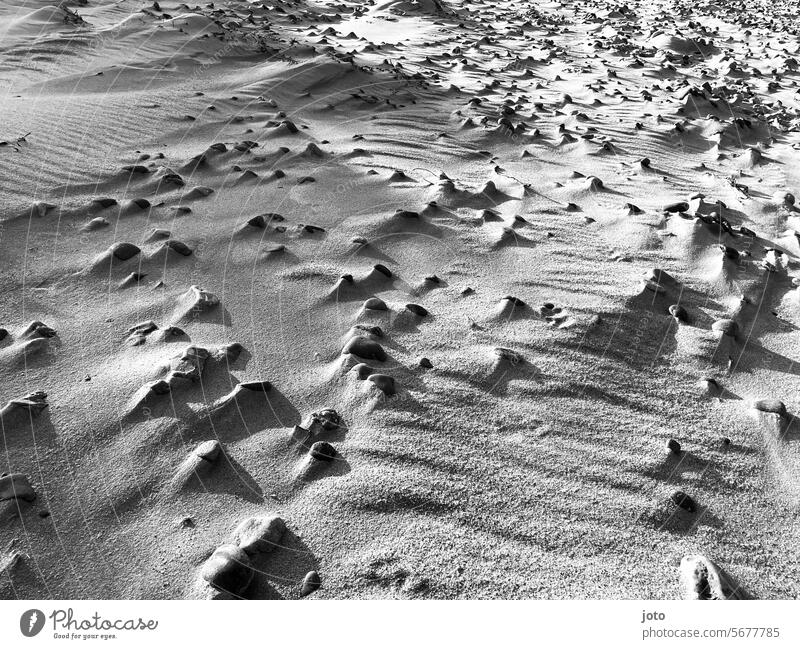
<point>399,299</point>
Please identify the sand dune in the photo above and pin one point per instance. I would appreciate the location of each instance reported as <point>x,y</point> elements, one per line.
<point>399,299</point>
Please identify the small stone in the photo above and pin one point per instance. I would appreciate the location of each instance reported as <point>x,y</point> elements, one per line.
<point>124,251</point>
<point>228,570</point>
<point>363,370</point>
<point>385,382</point>
<point>16,486</point>
<point>320,422</point>
<point>322,451</point>
<point>653,286</point>
<point>365,348</point>
<point>679,313</point>
<point>684,501</point>
<point>674,446</point>
<point>259,534</point>
<point>424,362</point>
<point>680,206</point>
<point>375,304</point>
<point>770,405</point>
<point>311,582</point>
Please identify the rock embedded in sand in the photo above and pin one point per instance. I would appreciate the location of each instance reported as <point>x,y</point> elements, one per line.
<point>145,327</point>
<point>375,304</point>
<point>228,570</point>
<point>773,406</point>
<point>159,387</point>
<point>136,169</point>
<point>709,385</point>
<point>380,269</point>
<point>104,202</point>
<point>32,404</point>
<point>320,422</point>
<point>702,579</point>
<point>653,286</point>
<point>726,327</point>
<point>96,223</point>
<point>673,446</point>
<point>124,251</point>
<point>684,501</point>
<point>417,310</point>
<point>259,534</point>
<point>385,383</point>
<point>322,451</point>
<point>679,313</point>
<point>681,206</point>
<point>782,197</point>
<point>178,246</point>
<point>311,583</point>
<point>16,486</point>
<point>508,355</point>
<point>198,463</point>
<point>131,279</point>
<point>255,386</point>
<point>363,370</point>
<point>196,300</point>
<point>364,347</point>
<point>730,253</point>
<point>37,329</point>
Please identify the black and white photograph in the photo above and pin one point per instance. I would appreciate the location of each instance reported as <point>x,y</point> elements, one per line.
<point>369,301</point>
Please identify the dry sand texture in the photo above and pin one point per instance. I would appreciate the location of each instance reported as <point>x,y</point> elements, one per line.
<point>399,299</point>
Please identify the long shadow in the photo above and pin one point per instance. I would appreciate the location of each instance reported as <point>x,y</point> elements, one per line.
<point>27,433</point>
<point>320,470</point>
<point>681,522</point>
<point>638,342</point>
<point>753,355</point>
<point>242,413</point>
<point>228,477</point>
<point>685,467</point>
<point>279,574</point>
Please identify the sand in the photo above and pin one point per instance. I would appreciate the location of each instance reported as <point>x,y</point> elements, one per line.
<point>399,299</point>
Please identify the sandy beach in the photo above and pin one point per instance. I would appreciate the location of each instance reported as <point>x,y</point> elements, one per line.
<point>399,299</point>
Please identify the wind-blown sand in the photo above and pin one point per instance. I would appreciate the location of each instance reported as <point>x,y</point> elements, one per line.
<point>399,299</point>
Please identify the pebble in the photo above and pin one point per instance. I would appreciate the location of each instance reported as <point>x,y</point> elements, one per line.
<point>228,570</point>
<point>322,451</point>
<point>259,534</point>
<point>364,347</point>
<point>16,486</point>
<point>679,313</point>
<point>311,582</point>
<point>385,382</point>
<point>684,501</point>
<point>770,405</point>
